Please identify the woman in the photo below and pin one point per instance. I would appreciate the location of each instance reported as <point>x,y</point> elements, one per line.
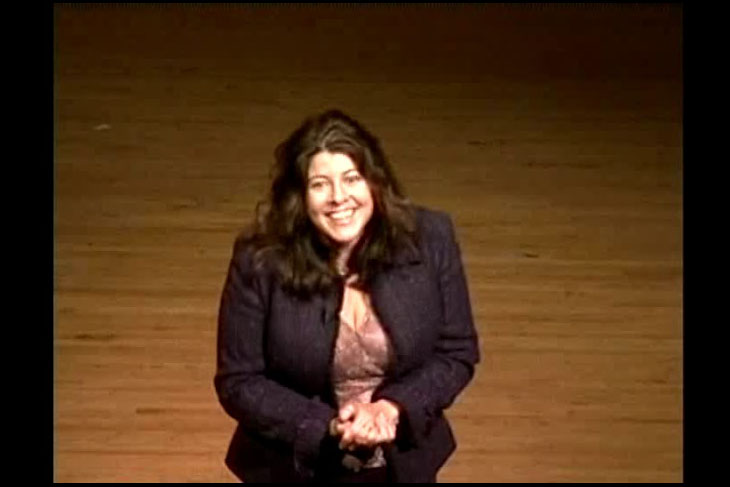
<point>345,327</point>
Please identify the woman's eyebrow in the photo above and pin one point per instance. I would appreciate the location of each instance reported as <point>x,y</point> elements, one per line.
<point>315,176</point>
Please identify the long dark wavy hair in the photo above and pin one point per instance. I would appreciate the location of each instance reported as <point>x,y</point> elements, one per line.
<point>282,232</point>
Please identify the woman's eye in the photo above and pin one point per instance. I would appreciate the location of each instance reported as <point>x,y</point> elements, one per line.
<point>353,178</point>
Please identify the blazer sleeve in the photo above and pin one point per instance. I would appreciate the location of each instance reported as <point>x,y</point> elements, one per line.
<point>425,391</point>
<point>246,393</point>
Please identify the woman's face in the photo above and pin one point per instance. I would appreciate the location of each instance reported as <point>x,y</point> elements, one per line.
<point>339,201</point>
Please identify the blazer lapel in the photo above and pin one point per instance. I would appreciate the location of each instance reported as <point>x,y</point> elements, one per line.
<point>395,297</point>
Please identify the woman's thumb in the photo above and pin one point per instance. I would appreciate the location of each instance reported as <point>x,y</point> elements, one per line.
<point>346,412</point>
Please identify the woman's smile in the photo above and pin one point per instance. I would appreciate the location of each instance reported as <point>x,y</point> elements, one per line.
<point>342,217</point>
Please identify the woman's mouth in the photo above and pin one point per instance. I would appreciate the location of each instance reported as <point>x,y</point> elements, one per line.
<point>342,217</point>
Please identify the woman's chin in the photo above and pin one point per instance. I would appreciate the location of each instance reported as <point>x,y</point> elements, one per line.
<point>344,238</point>
<point>345,241</point>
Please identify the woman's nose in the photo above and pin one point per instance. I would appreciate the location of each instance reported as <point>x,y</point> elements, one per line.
<point>338,193</point>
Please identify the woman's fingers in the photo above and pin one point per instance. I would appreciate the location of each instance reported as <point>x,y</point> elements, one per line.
<point>347,437</point>
<point>371,438</point>
<point>353,433</point>
<point>386,429</point>
<point>358,435</point>
<point>364,425</point>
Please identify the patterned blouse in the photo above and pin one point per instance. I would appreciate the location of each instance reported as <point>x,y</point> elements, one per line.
<point>362,356</point>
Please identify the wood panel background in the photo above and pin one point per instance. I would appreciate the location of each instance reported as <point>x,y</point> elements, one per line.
<point>551,134</point>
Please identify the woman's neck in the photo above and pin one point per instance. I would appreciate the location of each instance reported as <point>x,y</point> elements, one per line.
<point>343,257</point>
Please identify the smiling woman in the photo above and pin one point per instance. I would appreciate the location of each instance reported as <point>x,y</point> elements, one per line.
<point>345,326</point>
<point>339,201</point>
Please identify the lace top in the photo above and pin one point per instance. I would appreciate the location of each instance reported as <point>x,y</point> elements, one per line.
<point>362,356</point>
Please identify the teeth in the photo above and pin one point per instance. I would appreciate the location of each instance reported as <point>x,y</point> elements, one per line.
<point>342,215</point>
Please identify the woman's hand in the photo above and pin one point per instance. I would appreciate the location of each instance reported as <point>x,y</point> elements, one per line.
<point>366,424</point>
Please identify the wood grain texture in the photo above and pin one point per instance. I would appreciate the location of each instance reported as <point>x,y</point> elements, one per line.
<point>551,134</point>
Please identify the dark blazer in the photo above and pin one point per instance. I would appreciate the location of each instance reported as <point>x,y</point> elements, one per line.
<point>275,352</point>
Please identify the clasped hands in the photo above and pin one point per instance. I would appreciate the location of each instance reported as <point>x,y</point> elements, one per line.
<point>365,424</point>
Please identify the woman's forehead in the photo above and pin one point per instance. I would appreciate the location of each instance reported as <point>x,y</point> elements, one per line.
<point>329,163</point>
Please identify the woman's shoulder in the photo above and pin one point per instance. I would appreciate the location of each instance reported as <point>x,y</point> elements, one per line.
<point>437,238</point>
<point>433,224</point>
<point>250,254</point>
